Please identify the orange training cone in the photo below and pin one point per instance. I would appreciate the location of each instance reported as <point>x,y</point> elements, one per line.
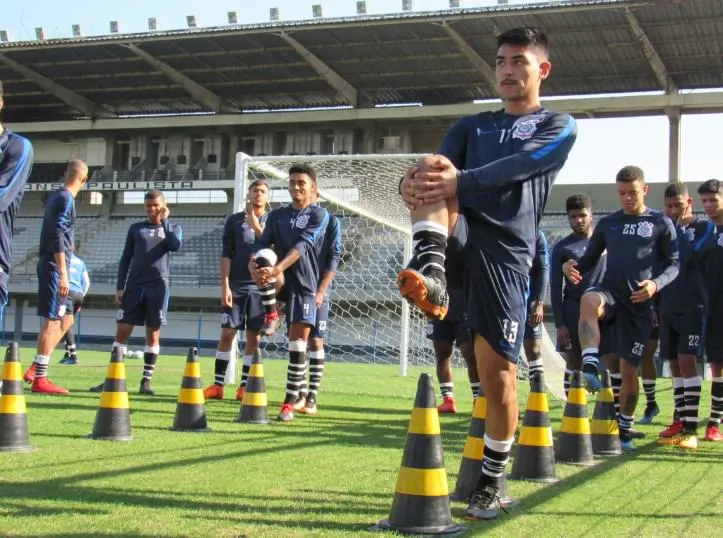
<point>191,405</point>
<point>535,456</point>
<point>113,420</point>
<point>255,406</point>
<point>421,500</point>
<point>471,464</point>
<point>13,417</point>
<point>574,444</point>
<point>604,424</point>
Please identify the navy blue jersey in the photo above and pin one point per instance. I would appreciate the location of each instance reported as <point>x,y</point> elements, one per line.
<point>16,162</point>
<point>540,272</point>
<point>288,228</point>
<point>146,255</point>
<point>571,247</point>
<point>330,251</point>
<point>507,167</point>
<point>636,245</point>
<point>685,293</point>
<point>238,242</point>
<point>712,275</point>
<point>58,231</point>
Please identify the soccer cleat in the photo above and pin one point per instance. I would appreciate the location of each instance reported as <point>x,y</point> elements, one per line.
<point>213,392</point>
<point>626,443</point>
<point>286,414</point>
<point>43,385</point>
<point>650,412</point>
<point>675,428</point>
<point>309,408</point>
<point>637,434</point>
<point>271,324</point>
<point>72,361</point>
<point>65,359</point>
<point>712,433</point>
<point>146,388</point>
<point>673,440</point>
<point>592,382</point>
<point>240,394</point>
<point>427,293</point>
<point>97,388</point>
<point>300,403</point>
<point>29,375</point>
<point>688,440</point>
<point>484,504</point>
<point>448,406</point>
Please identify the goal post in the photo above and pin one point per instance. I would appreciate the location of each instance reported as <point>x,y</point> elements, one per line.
<point>369,321</point>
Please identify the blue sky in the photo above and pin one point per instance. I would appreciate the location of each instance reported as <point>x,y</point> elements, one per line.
<point>603,146</point>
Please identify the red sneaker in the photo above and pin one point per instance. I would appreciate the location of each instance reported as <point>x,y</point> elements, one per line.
<point>271,323</point>
<point>674,429</point>
<point>712,433</point>
<point>287,413</point>
<point>29,375</point>
<point>213,392</point>
<point>43,385</point>
<point>240,393</point>
<point>448,406</point>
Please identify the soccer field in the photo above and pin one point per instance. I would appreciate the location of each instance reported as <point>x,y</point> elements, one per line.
<point>333,474</point>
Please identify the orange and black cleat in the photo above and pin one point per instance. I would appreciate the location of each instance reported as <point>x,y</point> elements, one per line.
<point>425,292</point>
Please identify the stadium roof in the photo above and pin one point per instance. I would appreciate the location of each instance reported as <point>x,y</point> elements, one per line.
<point>433,58</point>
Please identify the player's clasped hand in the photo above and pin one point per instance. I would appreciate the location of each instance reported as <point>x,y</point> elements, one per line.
<point>645,293</point>
<point>569,269</point>
<point>438,184</point>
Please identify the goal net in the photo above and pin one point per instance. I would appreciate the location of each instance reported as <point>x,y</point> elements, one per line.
<point>369,321</point>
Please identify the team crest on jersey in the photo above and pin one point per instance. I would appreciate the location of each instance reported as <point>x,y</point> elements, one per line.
<point>690,234</point>
<point>525,128</point>
<point>720,240</point>
<point>161,233</point>
<point>302,221</point>
<point>645,229</point>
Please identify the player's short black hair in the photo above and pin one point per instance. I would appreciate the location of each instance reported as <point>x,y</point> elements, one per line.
<point>578,201</point>
<point>153,194</point>
<point>711,186</point>
<point>258,182</point>
<point>303,168</point>
<point>629,174</point>
<point>525,36</point>
<point>675,189</point>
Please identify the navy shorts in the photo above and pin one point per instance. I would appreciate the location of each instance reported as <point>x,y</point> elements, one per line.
<point>496,298</point>
<point>3,303</point>
<point>145,304</point>
<point>681,334</point>
<point>322,319</point>
<point>247,311</point>
<point>300,308</point>
<point>626,329</point>
<point>453,328</point>
<point>50,304</point>
<point>714,338</point>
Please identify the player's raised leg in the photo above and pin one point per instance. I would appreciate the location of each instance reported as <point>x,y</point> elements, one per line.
<point>266,258</point>
<point>592,309</point>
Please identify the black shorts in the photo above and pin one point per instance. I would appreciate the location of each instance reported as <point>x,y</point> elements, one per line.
<point>50,304</point>
<point>496,300</point>
<point>145,304</point>
<point>322,320</point>
<point>247,311</point>
<point>626,329</point>
<point>453,328</point>
<point>76,298</point>
<point>681,334</point>
<point>714,338</point>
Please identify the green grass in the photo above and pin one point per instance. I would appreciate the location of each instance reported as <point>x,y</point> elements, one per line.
<point>329,475</point>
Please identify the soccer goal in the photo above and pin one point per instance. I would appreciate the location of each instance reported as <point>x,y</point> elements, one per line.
<point>369,321</point>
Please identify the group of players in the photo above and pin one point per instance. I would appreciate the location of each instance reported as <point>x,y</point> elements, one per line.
<point>476,207</point>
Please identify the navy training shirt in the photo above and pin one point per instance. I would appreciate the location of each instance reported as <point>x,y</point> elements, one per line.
<point>712,275</point>
<point>571,247</point>
<point>58,229</point>
<point>288,228</point>
<point>540,272</point>
<point>507,166</point>
<point>636,245</point>
<point>238,246</point>
<point>16,163</point>
<point>331,247</point>
<point>146,255</point>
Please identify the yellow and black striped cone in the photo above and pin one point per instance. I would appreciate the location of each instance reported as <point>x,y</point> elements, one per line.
<point>604,424</point>
<point>471,465</point>
<point>421,500</point>
<point>574,444</point>
<point>255,405</point>
<point>13,416</point>
<point>113,419</point>
<point>191,405</point>
<point>535,456</point>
